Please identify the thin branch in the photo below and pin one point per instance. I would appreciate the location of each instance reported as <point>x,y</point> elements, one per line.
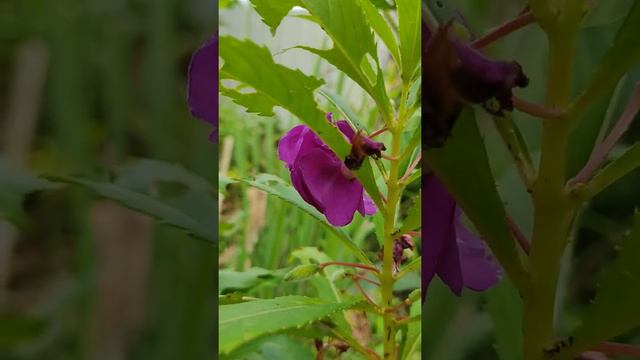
<point>520,238</point>
<point>348,264</point>
<point>364,278</point>
<point>536,110</point>
<point>411,167</point>
<point>505,29</point>
<point>617,349</point>
<point>378,132</point>
<point>517,148</point>
<point>601,151</point>
<point>364,293</point>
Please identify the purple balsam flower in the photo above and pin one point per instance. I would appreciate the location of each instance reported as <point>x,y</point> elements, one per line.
<point>455,74</point>
<point>202,92</point>
<point>455,254</point>
<point>321,178</point>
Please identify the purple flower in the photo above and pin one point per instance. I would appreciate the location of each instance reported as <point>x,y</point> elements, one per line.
<point>202,92</point>
<point>449,250</point>
<point>455,74</point>
<point>321,178</point>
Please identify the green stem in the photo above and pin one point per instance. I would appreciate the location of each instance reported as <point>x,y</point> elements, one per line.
<point>553,208</point>
<point>518,149</point>
<point>386,278</point>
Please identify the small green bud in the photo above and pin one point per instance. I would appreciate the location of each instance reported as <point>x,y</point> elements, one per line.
<point>302,272</point>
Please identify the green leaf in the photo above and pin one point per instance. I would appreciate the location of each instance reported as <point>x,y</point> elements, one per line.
<point>409,15</point>
<point>15,184</point>
<point>382,28</point>
<point>274,185</point>
<point>272,12</point>
<point>462,165</point>
<point>414,216</point>
<point>345,23</point>
<point>167,192</point>
<point>281,347</point>
<point>301,272</point>
<point>414,334</point>
<point>253,65</point>
<point>240,323</point>
<point>344,108</point>
<point>615,308</point>
<point>622,55</point>
<point>505,308</point>
<point>234,281</point>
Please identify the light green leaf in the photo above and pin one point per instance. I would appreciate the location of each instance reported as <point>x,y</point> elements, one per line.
<point>274,185</point>
<point>382,28</point>
<point>462,165</point>
<point>615,308</point>
<point>15,184</point>
<point>272,12</point>
<point>241,323</point>
<point>344,108</point>
<point>409,15</point>
<point>505,307</point>
<point>414,334</point>
<point>345,23</point>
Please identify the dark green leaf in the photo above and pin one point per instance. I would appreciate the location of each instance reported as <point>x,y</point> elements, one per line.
<point>505,307</point>
<point>409,16</point>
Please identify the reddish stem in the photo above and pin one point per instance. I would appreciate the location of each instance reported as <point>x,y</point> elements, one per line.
<point>602,150</point>
<point>411,167</point>
<point>617,349</point>
<point>364,293</point>
<point>520,238</point>
<point>505,29</point>
<point>378,132</point>
<point>364,278</point>
<point>536,110</point>
<point>359,266</point>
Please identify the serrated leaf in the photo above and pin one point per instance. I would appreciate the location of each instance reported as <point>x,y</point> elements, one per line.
<point>382,28</point>
<point>345,23</point>
<point>274,185</point>
<point>615,307</point>
<point>253,65</point>
<point>240,323</point>
<point>409,15</point>
<point>272,12</point>
<point>15,184</point>
<point>505,308</point>
<point>462,165</point>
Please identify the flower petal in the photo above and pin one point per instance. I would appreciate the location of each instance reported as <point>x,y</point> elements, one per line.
<point>340,196</point>
<point>479,270</point>
<point>202,92</point>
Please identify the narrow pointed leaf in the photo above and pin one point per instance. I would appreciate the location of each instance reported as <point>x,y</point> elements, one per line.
<point>409,16</point>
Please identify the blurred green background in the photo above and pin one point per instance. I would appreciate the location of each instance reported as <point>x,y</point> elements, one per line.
<point>88,86</point>
<point>465,328</point>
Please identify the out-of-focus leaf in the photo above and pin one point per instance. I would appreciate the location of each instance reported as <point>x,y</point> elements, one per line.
<point>505,307</point>
<point>622,55</point>
<point>615,307</point>
<point>414,334</point>
<point>240,323</point>
<point>344,108</point>
<point>462,165</point>
<point>18,329</point>
<point>166,192</point>
<point>274,185</point>
<point>15,184</point>
<point>281,347</point>
<point>409,15</point>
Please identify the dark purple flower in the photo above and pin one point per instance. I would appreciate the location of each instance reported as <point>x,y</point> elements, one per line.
<point>202,92</point>
<point>361,146</point>
<point>321,178</point>
<point>455,74</point>
<point>449,250</point>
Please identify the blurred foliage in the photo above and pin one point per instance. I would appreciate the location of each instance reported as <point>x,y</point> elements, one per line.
<point>86,278</point>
